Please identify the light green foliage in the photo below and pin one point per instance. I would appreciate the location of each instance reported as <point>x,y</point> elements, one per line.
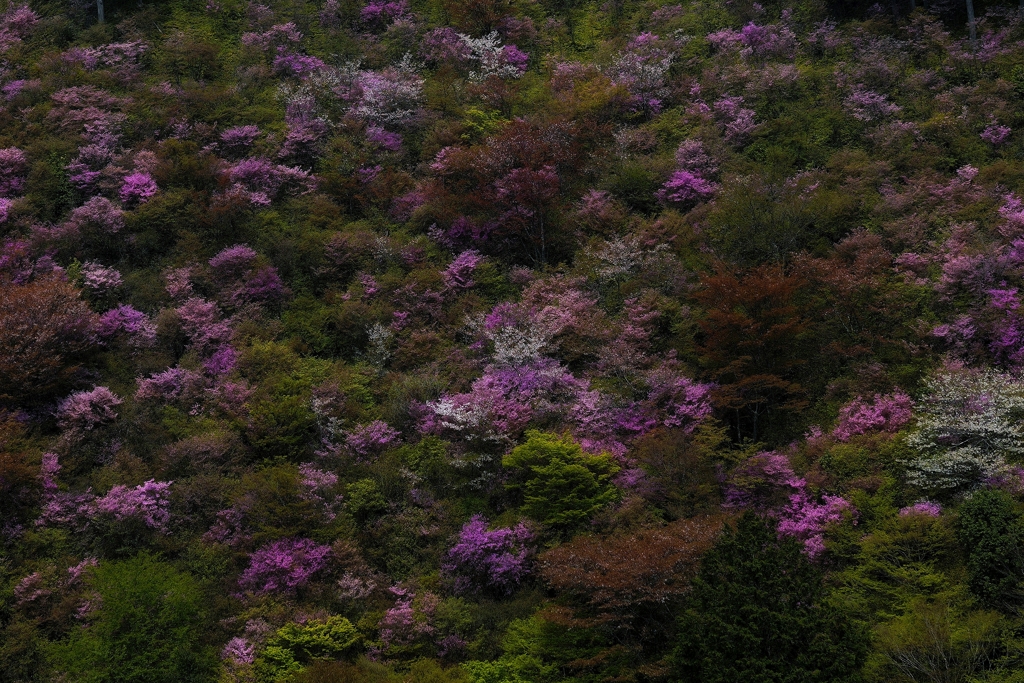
<point>561,485</point>
<point>523,658</point>
<point>365,499</point>
<point>932,642</point>
<point>901,561</point>
<point>149,628</point>
<point>295,645</point>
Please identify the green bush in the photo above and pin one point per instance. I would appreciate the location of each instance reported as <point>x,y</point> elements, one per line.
<point>148,629</point>
<point>561,486</point>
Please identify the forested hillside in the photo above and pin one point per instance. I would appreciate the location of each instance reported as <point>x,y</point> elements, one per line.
<point>511,341</point>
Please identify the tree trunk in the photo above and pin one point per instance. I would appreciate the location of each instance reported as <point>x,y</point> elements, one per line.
<point>99,9</point>
<point>970,24</point>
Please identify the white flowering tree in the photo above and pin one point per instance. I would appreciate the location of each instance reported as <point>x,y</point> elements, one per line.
<point>969,428</point>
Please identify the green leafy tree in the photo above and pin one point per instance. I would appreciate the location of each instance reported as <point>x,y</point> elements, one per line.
<point>991,532</point>
<point>148,629</point>
<point>294,646</point>
<point>758,613</point>
<point>561,485</point>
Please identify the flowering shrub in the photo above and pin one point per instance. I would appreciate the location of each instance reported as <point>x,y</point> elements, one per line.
<point>134,324</point>
<point>99,214</point>
<point>865,105</point>
<point>13,169</point>
<point>261,180</point>
<point>885,413</point>
<point>767,483</point>
<point>641,69</point>
<point>496,560</point>
<point>284,565</point>
<point>925,507</point>
<point>996,134</point>
<point>146,502</point>
<point>379,13</point>
<point>391,96</point>
<point>137,189</point>
<point>371,439</point>
<point>684,188</point>
<point>967,425</point>
<point>458,274</point>
<point>84,410</point>
<point>99,278</point>
<point>737,121</point>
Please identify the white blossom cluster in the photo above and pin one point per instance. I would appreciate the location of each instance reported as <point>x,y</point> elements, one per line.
<point>378,344</point>
<point>969,424</point>
<point>488,52</point>
<point>514,345</point>
<point>624,255</point>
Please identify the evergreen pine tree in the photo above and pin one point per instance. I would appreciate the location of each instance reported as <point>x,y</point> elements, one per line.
<point>758,614</point>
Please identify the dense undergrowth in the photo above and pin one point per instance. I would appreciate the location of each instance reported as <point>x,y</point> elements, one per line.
<point>508,341</point>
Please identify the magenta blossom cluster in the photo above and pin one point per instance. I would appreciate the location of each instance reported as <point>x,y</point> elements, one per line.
<point>805,518</point>
<point>684,188</point>
<point>641,69</point>
<point>996,134</point>
<point>409,620</point>
<point>137,188</point>
<point>284,565</point>
<point>99,278</point>
<point>233,261</point>
<point>13,169</point>
<point>277,36</point>
<point>370,439</point>
<point>458,274</point>
<point>146,502</point>
<point>383,138</point>
<point>135,325</point>
<point>690,182</point>
<point>866,105</point>
<point>239,138</point>
<point>883,414</point>
<point>762,42</point>
<point>737,121</point>
<point>924,507</point>
<point>318,486</point>
<point>98,214</point>
<point>261,180</point>
<point>495,560</point>
<point>767,484</point>
<point>380,13</point>
<point>83,411</point>
<point>239,651</point>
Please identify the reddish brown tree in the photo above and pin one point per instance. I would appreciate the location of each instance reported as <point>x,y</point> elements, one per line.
<point>629,583</point>
<point>752,343</point>
<point>45,330</point>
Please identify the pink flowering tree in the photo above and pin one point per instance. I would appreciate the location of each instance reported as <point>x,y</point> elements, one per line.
<point>458,274</point>
<point>83,411</point>
<point>284,566</point>
<point>135,326</point>
<point>767,484</point>
<point>642,68</point>
<point>13,170</point>
<point>147,503</point>
<point>137,188</point>
<point>100,279</point>
<point>261,181</point>
<point>371,439</point>
<point>485,560</point>
<point>882,414</point>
